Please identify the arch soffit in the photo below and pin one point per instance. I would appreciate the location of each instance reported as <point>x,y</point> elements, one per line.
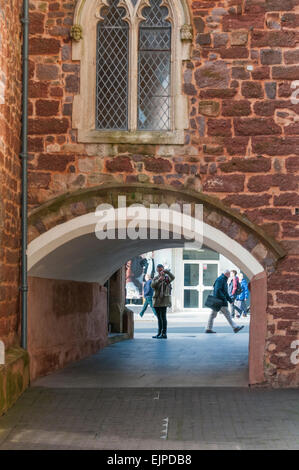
<point>83,225</point>
<point>64,208</point>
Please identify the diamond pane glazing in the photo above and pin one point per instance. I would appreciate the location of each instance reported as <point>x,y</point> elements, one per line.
<point>154,58</point>
<point>154,39</point>
<point>112,70</point>
<point>155,15</point>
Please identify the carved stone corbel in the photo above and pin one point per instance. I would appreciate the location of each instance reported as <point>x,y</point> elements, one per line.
<point>76,32</point>
<point>186,32</point>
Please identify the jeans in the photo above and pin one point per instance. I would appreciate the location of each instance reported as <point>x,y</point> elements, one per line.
<point>241,307</point>
<point>232,307</point>
<point>148,302</point>
<point>162,320</point>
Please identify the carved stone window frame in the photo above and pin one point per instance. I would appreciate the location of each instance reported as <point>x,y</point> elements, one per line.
<point>87,16</point>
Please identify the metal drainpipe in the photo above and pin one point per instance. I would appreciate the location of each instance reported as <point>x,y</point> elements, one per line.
<point>24,159</point>
<point>107,285</point>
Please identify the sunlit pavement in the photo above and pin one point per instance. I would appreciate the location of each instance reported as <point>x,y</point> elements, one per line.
<point>121,397</point>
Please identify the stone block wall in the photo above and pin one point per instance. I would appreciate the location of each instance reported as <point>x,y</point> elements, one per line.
<point>67,321</point>
<point>10,127</point>
<point>14,377</point>
<point>242,144</point>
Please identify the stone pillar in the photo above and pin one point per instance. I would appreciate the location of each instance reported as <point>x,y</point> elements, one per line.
<point>258,328</point>
<point>10,170</point>
<point>117,300</point>
<point>128,322</point>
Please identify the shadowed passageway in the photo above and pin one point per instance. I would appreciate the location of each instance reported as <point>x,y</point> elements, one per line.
<point>188,358</point>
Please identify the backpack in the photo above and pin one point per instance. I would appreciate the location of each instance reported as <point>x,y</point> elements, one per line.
<point>239,288</point>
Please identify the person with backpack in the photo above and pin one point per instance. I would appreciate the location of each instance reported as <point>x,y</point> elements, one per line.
<point>241,299</point>
<point>148,295</point>
<point>234,289</point>
<point>220,292</point>
<point>161,285</point>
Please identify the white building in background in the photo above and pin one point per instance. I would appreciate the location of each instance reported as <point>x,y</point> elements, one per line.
<point>195,271</point>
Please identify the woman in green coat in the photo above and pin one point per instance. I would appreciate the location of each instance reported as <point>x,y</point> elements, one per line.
<point>161,285</point>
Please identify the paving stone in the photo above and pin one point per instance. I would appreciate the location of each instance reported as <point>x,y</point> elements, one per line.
<point>76,409</point>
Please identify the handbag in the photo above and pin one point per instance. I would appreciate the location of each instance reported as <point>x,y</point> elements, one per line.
<point>213,303</point>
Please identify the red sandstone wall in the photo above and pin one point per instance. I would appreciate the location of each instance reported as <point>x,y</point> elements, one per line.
<point>242,145</point>
<point>10,116</point>
<point>66,322</point>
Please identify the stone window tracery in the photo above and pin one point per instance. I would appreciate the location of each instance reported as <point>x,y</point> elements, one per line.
<point>131,55</point>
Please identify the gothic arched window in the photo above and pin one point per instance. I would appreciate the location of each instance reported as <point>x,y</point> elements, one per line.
<point>154,68</point>
<point>112,69</point>
<point>131,65</point>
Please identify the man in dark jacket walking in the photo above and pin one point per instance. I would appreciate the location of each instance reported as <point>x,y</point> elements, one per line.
<point>220,292</point>
<point>148,295</point>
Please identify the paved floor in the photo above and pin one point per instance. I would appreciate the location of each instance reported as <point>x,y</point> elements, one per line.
<point>176,418</point>
<point>188,358</point>
<point>188,392</point>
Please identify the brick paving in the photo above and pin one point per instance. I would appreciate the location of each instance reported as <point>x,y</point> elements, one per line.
<point>127,397</point>
<point>130,418</point>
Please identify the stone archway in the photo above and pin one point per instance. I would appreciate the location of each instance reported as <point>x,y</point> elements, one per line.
<point>265,249</point>
<point>62,229</point>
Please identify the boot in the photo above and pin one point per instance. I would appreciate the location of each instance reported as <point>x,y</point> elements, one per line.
<point>159,335</point>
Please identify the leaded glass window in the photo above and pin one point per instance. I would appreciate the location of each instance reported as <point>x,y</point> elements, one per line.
<point>135,34</point>
<point>154,68</point>
<point>112,69</point>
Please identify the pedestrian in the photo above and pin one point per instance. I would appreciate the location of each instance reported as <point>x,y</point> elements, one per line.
<point>233,285</point>
<point>241,299</point>
<point>221,293</point>
<point>148,295</point>
<point>161,285</point>
<point>148,265</point>
<point>134,276</point>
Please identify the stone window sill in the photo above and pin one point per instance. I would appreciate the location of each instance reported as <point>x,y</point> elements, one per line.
<point>126,137</point>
